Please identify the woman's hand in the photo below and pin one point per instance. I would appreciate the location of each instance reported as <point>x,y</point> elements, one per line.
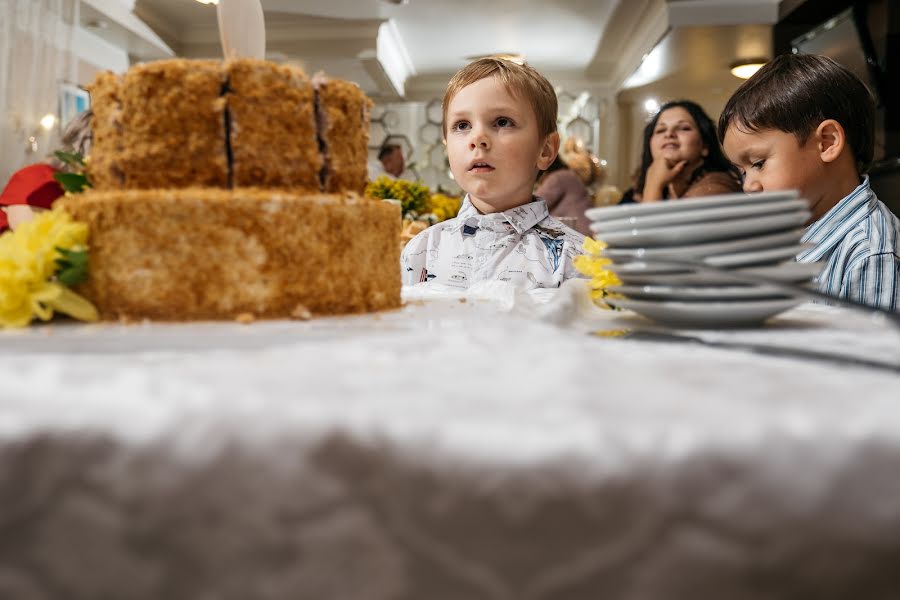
<point>659,175</point>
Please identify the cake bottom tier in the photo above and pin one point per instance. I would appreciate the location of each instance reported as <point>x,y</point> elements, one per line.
<point>203,253</point>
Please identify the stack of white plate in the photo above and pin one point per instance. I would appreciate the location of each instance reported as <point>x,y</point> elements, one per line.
<point>757,234</point>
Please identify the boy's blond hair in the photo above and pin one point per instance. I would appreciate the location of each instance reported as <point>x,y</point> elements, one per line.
<point>520,80</point>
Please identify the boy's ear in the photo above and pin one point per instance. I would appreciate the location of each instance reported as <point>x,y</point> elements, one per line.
<point>549,150</point>
<point>831,140</point>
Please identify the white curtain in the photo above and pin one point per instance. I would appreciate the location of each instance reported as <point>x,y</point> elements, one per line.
<point>35,58</point>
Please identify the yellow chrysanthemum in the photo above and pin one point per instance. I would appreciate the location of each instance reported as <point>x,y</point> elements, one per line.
<point>411,194</point>
<point>443,207</point>
<point>593,247</point>
<point>28,265</point>
<point>593,264</point>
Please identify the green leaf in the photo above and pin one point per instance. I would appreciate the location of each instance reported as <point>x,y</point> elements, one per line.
<point>73,266</point>
<point>73,159</point>
<point>72,182</point>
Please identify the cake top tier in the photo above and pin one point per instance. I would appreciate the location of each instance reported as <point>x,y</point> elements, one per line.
<point>183,123</point>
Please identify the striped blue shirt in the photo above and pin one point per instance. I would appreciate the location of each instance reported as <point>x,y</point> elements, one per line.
<point>859,241</point>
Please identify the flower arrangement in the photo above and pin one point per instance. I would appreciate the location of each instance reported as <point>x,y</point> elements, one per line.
<point>42,259</point>
<point>443,207</point>
<point>416,200</point>
<point>593,264</point>
<point>39,261</point>
<point>412,195</point>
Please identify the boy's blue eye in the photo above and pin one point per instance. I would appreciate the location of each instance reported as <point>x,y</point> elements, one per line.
<point>504,122</point>
<point>460,126</point>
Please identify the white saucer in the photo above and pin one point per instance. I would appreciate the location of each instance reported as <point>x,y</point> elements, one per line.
<point>695,293</point>
<point>622,211</point>
<point>636,273</point>
<point>707,250</point>
<point>699,216</point>
<point>703,232</point>
<point>707,314</point>
<point>756,257</point>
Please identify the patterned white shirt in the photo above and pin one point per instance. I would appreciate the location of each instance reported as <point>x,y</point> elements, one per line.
<point>523,245</point>
<point>859,240</point>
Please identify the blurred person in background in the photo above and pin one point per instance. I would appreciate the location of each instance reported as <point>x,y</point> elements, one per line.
<point>566,185</point>
<point>392,161</point>
<point>682,157</point>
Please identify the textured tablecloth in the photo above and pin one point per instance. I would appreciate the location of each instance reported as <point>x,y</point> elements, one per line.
<point>450,450</point>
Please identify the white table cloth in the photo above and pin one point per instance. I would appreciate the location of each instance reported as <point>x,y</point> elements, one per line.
<point>452,449</point>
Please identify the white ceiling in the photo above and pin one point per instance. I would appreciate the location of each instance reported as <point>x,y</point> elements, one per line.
<point>392,49</point>
<point>436,37</point>
<point>439,35</point>
<point>553,35</point>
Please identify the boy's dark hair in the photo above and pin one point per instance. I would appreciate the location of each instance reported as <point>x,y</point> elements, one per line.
<point>714,161</point>
<point>387,149</point>
<point>795,93</point>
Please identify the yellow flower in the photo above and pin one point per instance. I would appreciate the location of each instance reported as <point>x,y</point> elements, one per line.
<point>593,264</point>
<point>611,332</point>
<point>28,266</point>
<point>593,247</point>
<point>412,195</point>
<point>443,207</point>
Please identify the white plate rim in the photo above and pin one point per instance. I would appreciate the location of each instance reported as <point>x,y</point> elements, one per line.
<point>788,271</point>
<point>755,256</point>
<point>715,214</point>
<point>702,232</point>
<point>699,313</point>
<point>621,210</point>
<point>694,293</point>
<point>709,249</point>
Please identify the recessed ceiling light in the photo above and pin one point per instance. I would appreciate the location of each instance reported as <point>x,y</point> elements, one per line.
<point>208,1</point>
<point>747,67</point>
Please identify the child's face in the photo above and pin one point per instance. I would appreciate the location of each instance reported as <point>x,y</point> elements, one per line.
<point>494,146</point>
<point>773,160</point>
<point>676,137</point>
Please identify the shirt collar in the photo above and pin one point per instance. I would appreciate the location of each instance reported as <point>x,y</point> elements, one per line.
<point>521,218</point>
<point>827,232</point>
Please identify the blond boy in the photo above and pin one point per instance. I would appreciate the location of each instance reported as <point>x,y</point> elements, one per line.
<point>499,126</point>
<point>804,122</point>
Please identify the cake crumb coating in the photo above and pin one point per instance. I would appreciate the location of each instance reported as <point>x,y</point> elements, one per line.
<point>187,254</point>
<point>272,126</point>
<point>342,106</point>
<point>169,130</point>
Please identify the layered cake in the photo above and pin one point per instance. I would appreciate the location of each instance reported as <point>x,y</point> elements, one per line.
<point>225,190</point>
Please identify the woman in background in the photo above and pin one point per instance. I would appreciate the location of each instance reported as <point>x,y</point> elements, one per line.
<point>682,157</point>
<point>566,195</point>
<point>568,185</point>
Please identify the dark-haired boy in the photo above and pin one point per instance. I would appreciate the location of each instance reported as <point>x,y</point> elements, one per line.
<point>804,122</point>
